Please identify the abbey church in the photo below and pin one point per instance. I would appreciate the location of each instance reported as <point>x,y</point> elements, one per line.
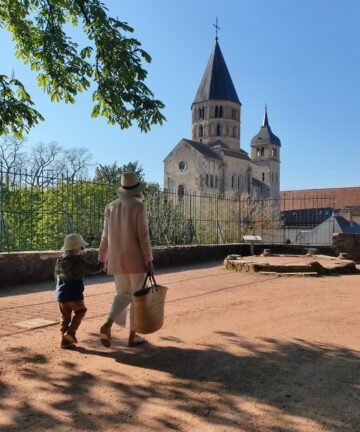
<point>213,162</point>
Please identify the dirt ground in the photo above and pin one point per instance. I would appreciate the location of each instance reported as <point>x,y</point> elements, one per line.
<point>238,352</point>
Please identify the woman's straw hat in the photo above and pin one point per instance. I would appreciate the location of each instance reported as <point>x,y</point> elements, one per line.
<point>74,241</point>
<point>130,185</point>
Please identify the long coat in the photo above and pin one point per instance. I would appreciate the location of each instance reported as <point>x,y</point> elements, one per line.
<point>125,243</point>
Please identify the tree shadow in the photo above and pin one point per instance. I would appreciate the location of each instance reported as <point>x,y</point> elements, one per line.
<point>285,381</point>
<point>49,285</point>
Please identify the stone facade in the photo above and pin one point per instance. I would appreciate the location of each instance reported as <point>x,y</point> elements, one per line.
<point>212,119</point>
<point>212,162</point>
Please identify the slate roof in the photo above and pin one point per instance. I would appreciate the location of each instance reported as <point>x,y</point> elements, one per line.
<point>218,143</point>
<point>216,83</point>
<point>240,154</point>
<point>203,149</point>
<point>306,217</point>
<point>265,135</point>
<point>322,234</point>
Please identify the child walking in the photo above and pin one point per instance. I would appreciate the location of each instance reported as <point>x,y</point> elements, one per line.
<point>69,273</point>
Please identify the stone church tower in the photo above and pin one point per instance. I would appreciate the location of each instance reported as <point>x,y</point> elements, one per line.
<point>265,153</point>
<point>213,162</point>
<point>216,108</point>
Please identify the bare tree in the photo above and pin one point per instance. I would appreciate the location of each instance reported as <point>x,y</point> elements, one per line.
<point>49,161</point>
<point>76,162</point>
<point>12,155</point>
<point>44,163</point>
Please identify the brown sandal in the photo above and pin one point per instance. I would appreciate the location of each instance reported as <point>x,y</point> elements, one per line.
<point>105,336</point>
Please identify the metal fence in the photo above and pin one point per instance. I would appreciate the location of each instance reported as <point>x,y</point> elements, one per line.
<point>35,215</point>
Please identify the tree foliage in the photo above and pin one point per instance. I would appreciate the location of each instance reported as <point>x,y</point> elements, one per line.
<point>111,63</point>
<point>112,173</point>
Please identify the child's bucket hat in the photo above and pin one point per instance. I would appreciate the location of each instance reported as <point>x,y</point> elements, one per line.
<point>74,241</point>
<point>130,185</point>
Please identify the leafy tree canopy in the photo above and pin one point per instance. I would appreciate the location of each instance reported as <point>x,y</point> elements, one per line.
<point>112,173</point>
<point>111,63</point>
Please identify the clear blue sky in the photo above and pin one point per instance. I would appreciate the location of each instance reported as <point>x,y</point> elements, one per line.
<point>302,58</point>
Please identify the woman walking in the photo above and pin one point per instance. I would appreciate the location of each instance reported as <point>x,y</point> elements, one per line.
<point>126,252</point>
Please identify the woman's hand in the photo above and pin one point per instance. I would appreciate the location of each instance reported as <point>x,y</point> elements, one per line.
<point>150,268</point>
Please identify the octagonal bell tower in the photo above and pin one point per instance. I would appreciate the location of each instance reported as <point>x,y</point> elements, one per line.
<point>216,109</point>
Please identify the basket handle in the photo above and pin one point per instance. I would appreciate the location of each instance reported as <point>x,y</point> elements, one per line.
<point>150,278</point>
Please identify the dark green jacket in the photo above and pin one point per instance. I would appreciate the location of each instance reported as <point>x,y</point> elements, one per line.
<point>69,273</point>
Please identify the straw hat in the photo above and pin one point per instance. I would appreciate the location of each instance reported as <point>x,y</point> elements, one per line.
<point>130,185</point>
<point>73,241</point>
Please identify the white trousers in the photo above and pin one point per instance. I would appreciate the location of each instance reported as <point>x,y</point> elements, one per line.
<point>126,284</point>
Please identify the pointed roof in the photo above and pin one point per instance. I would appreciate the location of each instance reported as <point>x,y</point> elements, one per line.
<point>265,119</point>
<point>265,135</point>
<point>216,83</point>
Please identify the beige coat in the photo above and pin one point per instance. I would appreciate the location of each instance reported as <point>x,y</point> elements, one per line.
<point>125,244</point>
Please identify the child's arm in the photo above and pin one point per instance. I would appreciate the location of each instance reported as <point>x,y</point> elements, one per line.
<point>90,268</point>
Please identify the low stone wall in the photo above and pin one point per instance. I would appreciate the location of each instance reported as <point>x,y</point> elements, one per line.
<point>27,267</point>
<point>349,243</point>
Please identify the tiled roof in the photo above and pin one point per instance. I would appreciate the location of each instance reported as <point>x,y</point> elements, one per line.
<point>240,154</point>
<point>314,198</point>
<point>203,149</point>
<point>216,83</point>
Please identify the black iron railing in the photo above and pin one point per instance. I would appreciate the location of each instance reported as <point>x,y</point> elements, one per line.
<point>35,215</point>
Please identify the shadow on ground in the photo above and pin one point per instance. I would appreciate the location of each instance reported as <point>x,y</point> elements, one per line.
<point>283,380</point>
<point>94,280</point>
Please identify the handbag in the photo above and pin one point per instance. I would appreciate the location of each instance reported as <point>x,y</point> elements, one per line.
<point>148,306</point>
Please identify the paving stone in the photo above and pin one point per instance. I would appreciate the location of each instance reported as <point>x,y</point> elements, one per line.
<point>35,323</point>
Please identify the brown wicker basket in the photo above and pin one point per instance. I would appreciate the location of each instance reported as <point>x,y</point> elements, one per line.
<point>148,307</point>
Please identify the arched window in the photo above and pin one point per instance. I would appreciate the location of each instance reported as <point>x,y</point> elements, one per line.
<point>220,111</point>
<point>218,130</point>
<point>203,112</point>
<point>207,180</point>
<point>216,181</point>
<point>263,177</point>
<point>201,131</point>
<point>181,191</point>
<point>216,111</point>
<point>233,114</point>
<point>262,151</point>
<point>234,132</point>
<point>274,152</point>
<point>211,180</point>
<point>258,152</point>
<point>232,182</point>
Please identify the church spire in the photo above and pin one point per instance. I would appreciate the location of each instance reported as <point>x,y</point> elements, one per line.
<point>265,119</point>
<point>216,83</point>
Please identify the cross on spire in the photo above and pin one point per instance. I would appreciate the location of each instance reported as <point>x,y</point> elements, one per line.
<point>216,29</point>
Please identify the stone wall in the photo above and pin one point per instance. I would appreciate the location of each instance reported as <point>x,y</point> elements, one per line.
<point>349,243</point>
<point>30,267</point>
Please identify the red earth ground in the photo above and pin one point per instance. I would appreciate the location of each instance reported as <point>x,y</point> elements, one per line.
<point>238,352</point>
